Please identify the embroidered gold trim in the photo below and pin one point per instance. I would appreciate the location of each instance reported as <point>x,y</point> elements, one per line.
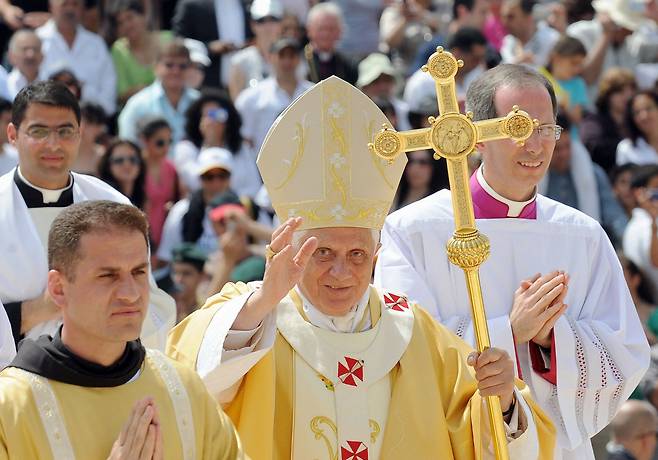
<point>51,417</point>
<point>179,400</point>
<point>319,434</point>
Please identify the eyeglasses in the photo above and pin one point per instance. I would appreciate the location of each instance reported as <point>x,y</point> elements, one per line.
<point>219,115</point>
<point>162,142</point>
<point>549,132</point>
<point>178,65</point>
<point>41,133</point>
<point>121,160</point>
<point>216,176</point>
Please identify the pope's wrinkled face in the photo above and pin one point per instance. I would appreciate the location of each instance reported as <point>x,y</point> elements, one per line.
<point>340,269</point>
<point>512,170</point>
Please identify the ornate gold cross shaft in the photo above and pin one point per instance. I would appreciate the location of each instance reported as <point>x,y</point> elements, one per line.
<point>453,136</point>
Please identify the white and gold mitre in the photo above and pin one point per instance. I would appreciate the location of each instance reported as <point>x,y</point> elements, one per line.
<point>316,164</point>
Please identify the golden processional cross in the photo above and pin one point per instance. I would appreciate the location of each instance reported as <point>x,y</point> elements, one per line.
<point>453,136</point>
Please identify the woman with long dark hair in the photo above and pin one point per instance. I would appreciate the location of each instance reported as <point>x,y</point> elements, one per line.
<point>123,168</point>
<point>422,177</point>
<point>641,145</point>
<point>213,121</point>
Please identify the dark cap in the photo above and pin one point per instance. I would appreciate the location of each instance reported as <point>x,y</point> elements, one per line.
<point>189,253</point>
<point>283,43</point>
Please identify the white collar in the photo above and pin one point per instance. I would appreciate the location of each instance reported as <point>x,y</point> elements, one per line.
<point>347,323</point>
<point>49,196</point>
<point>514,208</point>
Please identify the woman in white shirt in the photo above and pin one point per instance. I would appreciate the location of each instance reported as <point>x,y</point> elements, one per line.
<point>213,121</point>
<point>641,147</point>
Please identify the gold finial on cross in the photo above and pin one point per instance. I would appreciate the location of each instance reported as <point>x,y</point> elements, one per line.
<point>453,136</point>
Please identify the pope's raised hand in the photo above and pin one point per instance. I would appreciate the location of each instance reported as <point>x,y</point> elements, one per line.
<point>283,271</point>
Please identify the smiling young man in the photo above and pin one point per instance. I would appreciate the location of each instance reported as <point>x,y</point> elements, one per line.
<point>337,367</point>
<point>553,288</point>
<point>45,129</point>
<point>93,391</point>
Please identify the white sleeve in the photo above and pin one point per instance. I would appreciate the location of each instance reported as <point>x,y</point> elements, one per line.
<point>221,368</point>
<point>397,270</point>
<point>7,348</point>
<point>160,317</point>
<point>523,442</point>
<point>602,353</point>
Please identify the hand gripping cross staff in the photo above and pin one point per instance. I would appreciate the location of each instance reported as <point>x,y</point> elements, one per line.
<point>453,136</point>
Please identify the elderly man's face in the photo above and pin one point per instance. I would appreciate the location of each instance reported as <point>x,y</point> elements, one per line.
<point>25,54</point>
<point>324,32</point>
<point>339,272</point>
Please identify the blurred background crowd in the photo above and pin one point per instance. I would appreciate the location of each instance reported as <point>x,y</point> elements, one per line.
<point>178,95</point>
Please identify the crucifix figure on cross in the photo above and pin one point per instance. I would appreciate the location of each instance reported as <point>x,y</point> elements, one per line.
<point>453,136</point>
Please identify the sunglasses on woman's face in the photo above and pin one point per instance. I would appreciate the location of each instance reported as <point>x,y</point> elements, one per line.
<point>162,142</point>
<point>121,160</point>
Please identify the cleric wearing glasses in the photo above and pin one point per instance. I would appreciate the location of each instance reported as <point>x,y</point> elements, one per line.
<point>45,129</point>
<point>168,96</point>
<point>553,288</point>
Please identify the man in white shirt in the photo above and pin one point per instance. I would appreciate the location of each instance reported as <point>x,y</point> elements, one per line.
<point>260,105</point>
<point>526,42</point>
<point>45,129</point>
<point>606,38</point>
<point>25,56</point>
<point>68,45</point>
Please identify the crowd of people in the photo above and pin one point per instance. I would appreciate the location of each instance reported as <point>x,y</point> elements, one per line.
<point>176,99</point>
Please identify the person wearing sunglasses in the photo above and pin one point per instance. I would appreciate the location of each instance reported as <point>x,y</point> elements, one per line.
<point>162,187</point>
<point>213,121</point>
<point>123,168</point>
<point>554,291</point>
<point>168,96</point>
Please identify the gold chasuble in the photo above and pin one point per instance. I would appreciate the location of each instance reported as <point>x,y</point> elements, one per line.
<point>396,385</point>
<point>434,410</point>
<point>43,419</point>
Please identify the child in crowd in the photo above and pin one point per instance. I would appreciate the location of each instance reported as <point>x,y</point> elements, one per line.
<point>563,70</point>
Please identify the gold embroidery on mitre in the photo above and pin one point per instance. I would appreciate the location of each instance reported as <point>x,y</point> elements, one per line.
<point>327,383</point>
<point>300,137</point>
<point>316,164</point>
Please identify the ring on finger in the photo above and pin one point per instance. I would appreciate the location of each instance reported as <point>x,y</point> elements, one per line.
<point>269,252</point>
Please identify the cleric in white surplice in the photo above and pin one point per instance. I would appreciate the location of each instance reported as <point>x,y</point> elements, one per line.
<point>579,343</point>
<point>45,129</point>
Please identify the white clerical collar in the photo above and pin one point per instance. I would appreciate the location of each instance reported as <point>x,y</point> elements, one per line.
<point>49,196</point>
<point>324,56</point>
<point>514,208</point>
<point>347,323</point>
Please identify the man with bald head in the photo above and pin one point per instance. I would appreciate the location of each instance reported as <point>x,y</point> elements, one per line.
<point>634,431</point>
<point>25,57</point>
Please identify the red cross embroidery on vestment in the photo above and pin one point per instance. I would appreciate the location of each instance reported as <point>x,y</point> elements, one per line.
<point>355,450</point>
<point>396,302</point>
<point>350,372</point>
